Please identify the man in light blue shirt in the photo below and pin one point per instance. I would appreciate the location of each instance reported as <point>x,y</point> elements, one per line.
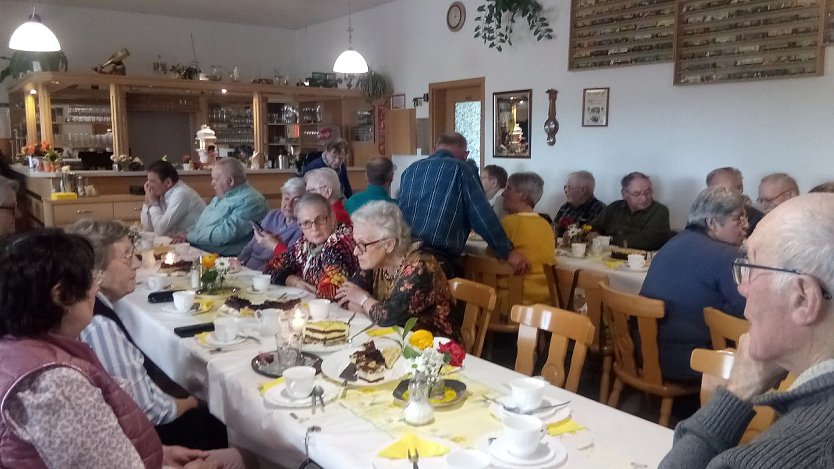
<point>225,225</point>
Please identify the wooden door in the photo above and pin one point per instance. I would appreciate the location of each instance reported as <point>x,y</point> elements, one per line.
<point>459,106</point>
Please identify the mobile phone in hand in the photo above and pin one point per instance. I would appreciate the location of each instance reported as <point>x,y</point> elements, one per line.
<point>257,226</point>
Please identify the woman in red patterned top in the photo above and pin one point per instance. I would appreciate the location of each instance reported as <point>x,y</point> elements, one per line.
<point>322,260</point>
<point>398,280</point>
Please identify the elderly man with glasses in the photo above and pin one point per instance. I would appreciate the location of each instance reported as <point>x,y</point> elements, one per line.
<point>787,278</point>
<point>637,221</point>
<point>776,188</point>
<point>581,205</point>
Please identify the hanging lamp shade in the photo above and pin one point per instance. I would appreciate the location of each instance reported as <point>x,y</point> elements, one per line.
<point>350,61</point>
<point>34,36</point>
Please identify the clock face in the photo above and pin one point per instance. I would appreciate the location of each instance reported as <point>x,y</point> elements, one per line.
<point>455,16</point>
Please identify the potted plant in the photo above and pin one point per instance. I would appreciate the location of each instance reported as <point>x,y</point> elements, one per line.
<point>497,18</point>
<point>41,155</point>
<point>21,63</point>
<point>375,87</point>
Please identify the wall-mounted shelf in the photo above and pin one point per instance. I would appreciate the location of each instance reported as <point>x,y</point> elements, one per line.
<point>732,40</point>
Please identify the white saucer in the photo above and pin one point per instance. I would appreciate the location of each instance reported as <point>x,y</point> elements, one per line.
<point>173,310</point>
<point>560,413</point>
<point>213,341</point>
<point>570,254</point>
<point>278,396</point>
<point>257,292</point>
<point>626,268</point>
<point>549,454</point>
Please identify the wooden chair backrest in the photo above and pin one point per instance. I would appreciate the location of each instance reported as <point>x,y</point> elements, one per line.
<point>715,366</point>
<point>591,283</point>
<point>561,283</point>
<point>723,327</point>
<point>622,306</point>
<point>564,325</point>
<point>488,271</point>
<point>480,302</point>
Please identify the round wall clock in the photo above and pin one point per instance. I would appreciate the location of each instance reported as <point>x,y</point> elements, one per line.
<point>455,16</point>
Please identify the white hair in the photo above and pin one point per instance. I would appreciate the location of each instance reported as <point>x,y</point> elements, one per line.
<point>294,186</point>
<point>233,168</point>
<point>717,203</point>
<point>388,220</point>
<point>326,177</point>
<point>529,184</point>
<point>584,179</point>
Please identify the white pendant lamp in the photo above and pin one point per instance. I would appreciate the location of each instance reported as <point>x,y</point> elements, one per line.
<point>34,36</point>
<point>350,61</point>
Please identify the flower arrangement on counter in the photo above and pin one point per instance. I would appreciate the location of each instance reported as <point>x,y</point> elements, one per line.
<point>574,232</point>
<point>127,163</point>
<point>42,156</point>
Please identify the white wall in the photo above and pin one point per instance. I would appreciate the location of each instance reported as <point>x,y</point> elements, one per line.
<point>675,134</point>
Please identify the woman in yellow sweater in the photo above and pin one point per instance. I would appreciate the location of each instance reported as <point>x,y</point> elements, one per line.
<point>529,232</point>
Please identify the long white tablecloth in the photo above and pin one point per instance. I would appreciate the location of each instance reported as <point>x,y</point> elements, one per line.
<point>230,386</point>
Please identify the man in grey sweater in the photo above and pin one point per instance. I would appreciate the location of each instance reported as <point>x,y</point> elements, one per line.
<point>787,279</point>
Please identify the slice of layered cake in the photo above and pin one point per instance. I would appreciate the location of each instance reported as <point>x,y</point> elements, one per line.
<point>372,363</point>
<point>237,306</point>
<point>326,332</point>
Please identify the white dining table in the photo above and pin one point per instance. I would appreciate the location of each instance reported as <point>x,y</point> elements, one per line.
<point>349,439</point>
<point>619,277</point>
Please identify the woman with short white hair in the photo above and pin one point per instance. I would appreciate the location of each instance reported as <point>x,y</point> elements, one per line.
<point>278,231</point>
<point>325,182</point>
<point>398,280</point>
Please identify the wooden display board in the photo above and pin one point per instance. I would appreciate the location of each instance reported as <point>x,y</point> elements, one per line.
<point>829,27</point>
<point>610,33</point>
<point>732,40</point>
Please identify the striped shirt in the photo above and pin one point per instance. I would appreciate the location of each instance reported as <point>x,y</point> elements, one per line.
<point>125,363</point>
<point>442,199</point>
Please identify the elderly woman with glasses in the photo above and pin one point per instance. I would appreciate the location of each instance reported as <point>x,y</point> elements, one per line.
<point>695,270</point>
<point>61,407</point>
<point>322,260</point>
<point>398,279</point>
<point>529,232</point>
<point>278,231</point>
<point>325,183</point>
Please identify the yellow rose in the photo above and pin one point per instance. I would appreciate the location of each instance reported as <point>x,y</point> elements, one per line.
<point>587,228</point>
<point>207,260</point>
<point>421,339</point>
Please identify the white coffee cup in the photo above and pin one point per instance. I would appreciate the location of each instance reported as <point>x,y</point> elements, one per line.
<point>636,261</point>
<point>578,249</point>
<point>184,300</point>
<point>182,249</point>
<point>467,459</point>
<point>300,381</point>
<point>186,166</point>
<point>156,282</point>
<point>319,309</point>
<point>522,434</point>
<point>604,241</point>
<point>528,393</point>
<point>261,282</point>
<point>268,321</point>
<point>225,329</point>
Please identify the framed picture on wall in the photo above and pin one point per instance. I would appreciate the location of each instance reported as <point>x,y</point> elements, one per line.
<point>512,111</point>
<point>398,101</point>
<point>595,107</point>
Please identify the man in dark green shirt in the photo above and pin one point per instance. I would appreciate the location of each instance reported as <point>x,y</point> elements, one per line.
<point>637,221</point>
<point>380,171</point>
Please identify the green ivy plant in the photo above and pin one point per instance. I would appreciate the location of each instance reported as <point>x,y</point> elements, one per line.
<point>497,18</point>
<point>20,63</point>
<point>374,86</point>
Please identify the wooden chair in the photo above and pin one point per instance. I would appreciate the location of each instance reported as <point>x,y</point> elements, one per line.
<point>480,302</point>
<point>723,327</point>
<point>621,307</point>
<point>561,282</point>
<point>715,366</point>
<point>591,283</point>
<point>564,326</point>
<point>490,271</point>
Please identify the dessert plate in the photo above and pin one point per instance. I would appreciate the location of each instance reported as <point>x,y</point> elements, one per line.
<point>626,268</point>
<point>333,364</point>
<point>455,392</point>
<point>278,396</point>
<point>211,340</point>
<point>549,454</point>
<point>560,413</point>
<point>265,363</point>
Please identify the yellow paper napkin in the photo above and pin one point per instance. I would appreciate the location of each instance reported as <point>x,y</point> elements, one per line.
<point>410,441</point>
<point>264,387</point>
<point>202,338</point>
<point>381,331</point>
<point>561,427</point>
<point>206,304</point>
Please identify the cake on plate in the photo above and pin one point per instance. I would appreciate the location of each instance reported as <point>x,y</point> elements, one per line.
<point>238,306</point>
<point>372,363</point>
<point>326,332</point>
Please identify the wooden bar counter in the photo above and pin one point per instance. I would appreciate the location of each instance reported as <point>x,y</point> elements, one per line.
<point>115,202</point>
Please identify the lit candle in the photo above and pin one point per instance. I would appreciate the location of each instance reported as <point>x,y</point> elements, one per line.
<point>298,321</point>
<point>148,261</point>
<point>169,258</point>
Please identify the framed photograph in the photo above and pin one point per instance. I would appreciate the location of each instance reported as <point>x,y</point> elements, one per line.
<point>512,111</point>
<point>595,107</point>
<point>398,101</point>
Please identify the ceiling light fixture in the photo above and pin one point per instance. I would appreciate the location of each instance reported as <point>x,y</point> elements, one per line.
<point>34,36</point>
<point>350,61</point>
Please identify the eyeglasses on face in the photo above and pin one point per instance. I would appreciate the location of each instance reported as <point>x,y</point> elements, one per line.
<point>128,256</point>
<point>362,248</point>
<point>319,221</point>
<point>316,189</point>
<point>636,194</point>
<point>770,200</point>
<point>742,268</point>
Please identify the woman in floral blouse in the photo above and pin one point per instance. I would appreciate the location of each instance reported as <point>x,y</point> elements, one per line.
<point>398,280</point>
<point>322,260</point>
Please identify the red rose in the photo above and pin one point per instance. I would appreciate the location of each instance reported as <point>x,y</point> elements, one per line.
<point>455,351</point>
<point>565,222</point>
